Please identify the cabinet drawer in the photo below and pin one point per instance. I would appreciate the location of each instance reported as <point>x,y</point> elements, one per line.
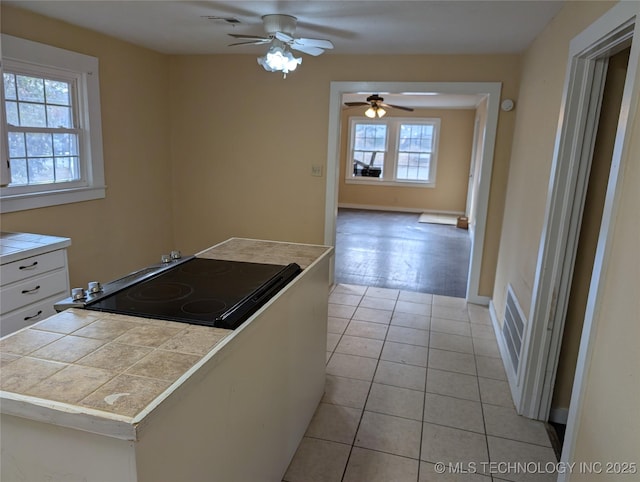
<point>32,290</point>
<point>29,315</point>
<point>33,266</point>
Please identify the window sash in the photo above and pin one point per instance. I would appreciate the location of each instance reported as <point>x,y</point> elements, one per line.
<point>413,155</point>
<point>79,161</point>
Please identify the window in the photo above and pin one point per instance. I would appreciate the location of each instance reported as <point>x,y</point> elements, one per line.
<point>50,126</point>
<point>400,151</point>
<point>42,129</point>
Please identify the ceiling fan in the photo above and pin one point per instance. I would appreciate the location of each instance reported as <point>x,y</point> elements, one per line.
<point>376,106</point>
<point>281,28</point>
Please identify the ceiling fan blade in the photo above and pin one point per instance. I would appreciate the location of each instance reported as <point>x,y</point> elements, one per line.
<point>251,42</point>
<point>315,51</point>
<point>313,42</point>
<point>355,104</point>
<point>408,109</point>
<point>256,37</point>
<point>300,43</point>
<point>284,37</point>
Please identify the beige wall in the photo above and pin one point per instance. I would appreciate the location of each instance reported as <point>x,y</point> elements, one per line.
<point>132,226</point>
<point>201,148</point>
<point>608,424</point>
<point>244,141</point>
<point>538,110</point>
<point>452,176</point>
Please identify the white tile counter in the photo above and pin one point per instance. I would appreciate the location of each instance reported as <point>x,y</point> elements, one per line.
<point>152,400</point>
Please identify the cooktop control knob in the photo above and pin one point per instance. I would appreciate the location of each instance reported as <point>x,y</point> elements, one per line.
<point>165,258</point>
<point>94,287</point>
<point>77,294</point>
<point>176,254</point>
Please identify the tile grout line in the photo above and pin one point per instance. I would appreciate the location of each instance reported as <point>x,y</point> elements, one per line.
<point>424,396</point>
<point>364,406</point>
<point>484,422</point>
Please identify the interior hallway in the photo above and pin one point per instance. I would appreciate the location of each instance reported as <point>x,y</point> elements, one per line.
<point>394,250</point>
<point>413,380</point>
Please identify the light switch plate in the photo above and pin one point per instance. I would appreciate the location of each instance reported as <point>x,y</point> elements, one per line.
<point>316,170</point>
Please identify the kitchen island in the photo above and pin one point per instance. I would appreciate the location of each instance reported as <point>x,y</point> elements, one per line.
<point>90,396</point>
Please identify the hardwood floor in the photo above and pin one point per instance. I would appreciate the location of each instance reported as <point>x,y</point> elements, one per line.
<point>394,250</point>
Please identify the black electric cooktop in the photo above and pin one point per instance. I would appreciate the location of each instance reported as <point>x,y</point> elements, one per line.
<point>202,291</point>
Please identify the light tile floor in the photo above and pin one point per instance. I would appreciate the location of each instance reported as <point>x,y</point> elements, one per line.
<point>414,380</point>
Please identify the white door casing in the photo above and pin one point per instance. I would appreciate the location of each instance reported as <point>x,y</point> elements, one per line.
<point>491,89</point>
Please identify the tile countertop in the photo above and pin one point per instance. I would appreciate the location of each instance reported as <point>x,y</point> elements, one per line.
<point>15,246</point>
<point>111,367</point>
<point>270,252</point>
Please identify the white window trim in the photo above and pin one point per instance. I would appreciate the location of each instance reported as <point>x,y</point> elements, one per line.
<point>93,185</point>
<point>391,154</point>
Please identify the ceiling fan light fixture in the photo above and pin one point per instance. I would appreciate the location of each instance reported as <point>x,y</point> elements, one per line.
<point>375,111</point>
<point>278,59</point>
<point>370,113</point>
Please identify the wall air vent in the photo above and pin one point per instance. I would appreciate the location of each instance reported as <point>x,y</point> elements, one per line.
<point>231,20</point>
<point>513,328</point>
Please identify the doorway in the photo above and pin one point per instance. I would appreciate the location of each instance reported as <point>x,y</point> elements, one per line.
<point>490,89</point>
<point>588,238</point>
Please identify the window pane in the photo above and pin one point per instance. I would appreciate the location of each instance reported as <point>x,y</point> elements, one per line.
<point>16,145</point>
<point>413,166</point>
<point>58,116</point>
<point>32,115</point>
<point>380,143</point>
<point>57,92</point>
<point>65,145</point>
<point>39,145</point>
<point>9,86</point>
<point>19,172</point>
<point>66,169</point>
<point>41,171</point>
<point>12,113</point>
<point>30,88</point>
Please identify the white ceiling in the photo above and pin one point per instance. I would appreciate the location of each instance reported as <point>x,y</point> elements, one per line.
<point>355,27</point>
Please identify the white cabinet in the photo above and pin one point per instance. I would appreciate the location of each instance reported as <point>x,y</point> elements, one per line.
<point>33,276</point>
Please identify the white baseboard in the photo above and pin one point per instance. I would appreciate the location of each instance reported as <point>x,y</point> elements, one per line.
<point>479,300</point>
<point>371,207</point>
<point>559,415</point>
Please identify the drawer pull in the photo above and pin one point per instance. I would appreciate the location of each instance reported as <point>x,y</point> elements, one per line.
<point>27,318</point>
<point>32,290</point>
<point>31,266</point>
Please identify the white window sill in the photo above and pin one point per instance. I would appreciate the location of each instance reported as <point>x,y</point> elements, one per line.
<point>376,181</point>
<point>23,202</point>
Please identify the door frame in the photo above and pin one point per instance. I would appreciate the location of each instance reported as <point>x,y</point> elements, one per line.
<point>491,89</point>
<point>472,168</point>
<point>586,70</point>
